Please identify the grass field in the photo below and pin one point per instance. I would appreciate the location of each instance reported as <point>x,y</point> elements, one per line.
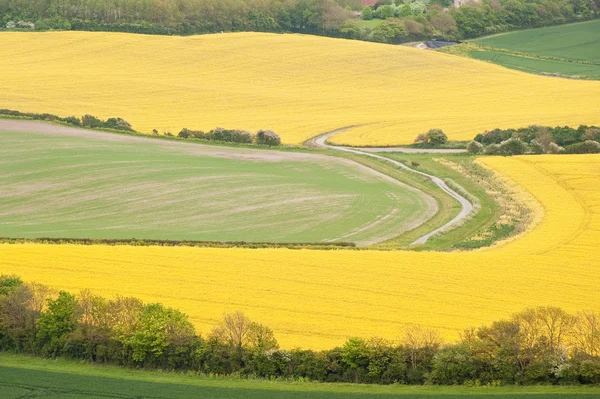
<point>371,23</point>
<point>317,299</point>
<point>571,50</point>
<point>22,376</point>
<point>96,185</point>
<point>299,86</point>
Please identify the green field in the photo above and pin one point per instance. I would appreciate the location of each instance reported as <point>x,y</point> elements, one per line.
<point>368,23</point>
<point>89,186</point>
<point>26,377</point>
<point>570,50</point>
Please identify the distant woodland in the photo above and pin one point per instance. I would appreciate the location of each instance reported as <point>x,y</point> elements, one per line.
<point>402,20</point>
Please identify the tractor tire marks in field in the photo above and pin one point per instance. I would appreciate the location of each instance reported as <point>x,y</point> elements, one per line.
<point>384,226</point>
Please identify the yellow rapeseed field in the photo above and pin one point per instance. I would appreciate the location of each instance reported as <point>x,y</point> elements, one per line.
<point>299,86</point>
<point>317,299</point>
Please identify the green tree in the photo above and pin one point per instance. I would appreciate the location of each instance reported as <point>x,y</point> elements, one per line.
<point>444,23</point>
<point>389,31</point>
<point>436,137</point>
<point>157,329</point>
<point>19,311</point>
<point>351,29</point>
<point>56,323</point>
<point>8,283</point>
<point>355,355</point>
<point>474,147</point>
<point>385,12</point>
<point>367,13</point>
<point>453,365</point>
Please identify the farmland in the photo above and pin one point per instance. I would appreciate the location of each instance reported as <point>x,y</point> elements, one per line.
<point>571,50</point>
<point>299,86</point>
<point>80,184</point>
<point>20,375</point>
<point>309,298</point>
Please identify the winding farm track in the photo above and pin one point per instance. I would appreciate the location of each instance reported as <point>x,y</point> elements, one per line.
<point>406,150</point>
<point>466,206</point>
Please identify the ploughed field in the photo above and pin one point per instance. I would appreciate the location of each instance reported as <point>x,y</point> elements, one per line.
<point>72,183</point>
<point>299,86</point>
<point>318,299</point>
<point>571,50</point>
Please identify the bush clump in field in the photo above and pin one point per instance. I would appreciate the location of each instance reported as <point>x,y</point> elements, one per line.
<point>267,137</point>
<point>512,146</point>
<point>262,137</point>
<point>231,135</point>
<point>536,139</point>
<point>587,147</point>
<point>474,147</point>
<point>88,121</point>
<point>492,149</point>
<point>433,138</point>
<point>93,122</point>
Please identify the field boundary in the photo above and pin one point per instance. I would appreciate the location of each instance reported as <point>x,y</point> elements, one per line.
<point>179,243</point>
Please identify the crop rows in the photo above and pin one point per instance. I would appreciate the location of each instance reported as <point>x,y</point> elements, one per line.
<point>299,86</point>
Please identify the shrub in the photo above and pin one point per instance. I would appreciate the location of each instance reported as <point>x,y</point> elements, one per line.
<point>437,137</point>
<point>587,147</point>
<point>492,149</point>
<point>267,137</point>
<point>72,120</point>
<point>367,13</point>
<point>565,135</point>
<point>118,124</point>
<point>230,135</point>
<point>385,12</point>
<point>422,139</point>
<point>555,149</point>
<point>186,133</point>
<point>474,147</point>
<point>90,121</point>
<point>495,136</point>
<point>512,146</point>
<point>592,133</point>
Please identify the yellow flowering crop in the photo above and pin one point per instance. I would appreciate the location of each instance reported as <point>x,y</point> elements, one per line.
<point>317,299</point>
<point>299,86</point>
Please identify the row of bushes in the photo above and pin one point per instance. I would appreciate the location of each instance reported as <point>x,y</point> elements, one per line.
<point>88,121</point>
<point>262,137</point>
<point>181,243</point>
<point>537,140</point>
<point>542,345</point>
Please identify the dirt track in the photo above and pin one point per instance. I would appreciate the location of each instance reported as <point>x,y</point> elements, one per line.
<point>466,206</point>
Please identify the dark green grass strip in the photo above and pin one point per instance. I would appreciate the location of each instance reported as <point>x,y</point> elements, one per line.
<point>22,376</point>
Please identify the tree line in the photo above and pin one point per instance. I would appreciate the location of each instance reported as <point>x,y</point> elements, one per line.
<point>405,20</point>
<point>261,137</point>
<point>541,345</point>
<point>536,139</point>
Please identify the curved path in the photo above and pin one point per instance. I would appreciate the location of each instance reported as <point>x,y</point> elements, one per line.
<point>467,207</point>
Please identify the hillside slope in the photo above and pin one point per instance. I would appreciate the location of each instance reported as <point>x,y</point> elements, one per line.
<point>298,85</point>
<point>567,50</point>
<point>317,299</point>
